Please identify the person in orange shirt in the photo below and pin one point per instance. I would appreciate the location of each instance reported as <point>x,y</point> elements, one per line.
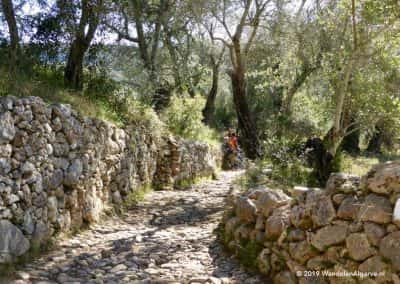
<point>233,142</point>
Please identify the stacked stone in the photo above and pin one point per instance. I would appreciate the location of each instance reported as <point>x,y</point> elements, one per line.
<point>182,161</point>
<point>59,170</point>
<point>351,226</point>
<point>196,158</point>
<point>163,179</point>
<point>175,157</point>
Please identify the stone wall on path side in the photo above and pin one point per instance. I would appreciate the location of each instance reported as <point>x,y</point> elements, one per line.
<point>348,232</point>
<point>60,170</point>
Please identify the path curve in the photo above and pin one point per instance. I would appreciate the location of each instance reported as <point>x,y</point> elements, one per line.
<point>167,238</point>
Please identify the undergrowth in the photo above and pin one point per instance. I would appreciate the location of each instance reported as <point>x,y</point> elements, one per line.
<point>183,117</point>
<point>137,195</point>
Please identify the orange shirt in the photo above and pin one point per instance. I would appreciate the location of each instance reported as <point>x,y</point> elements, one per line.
<point>233,144</point>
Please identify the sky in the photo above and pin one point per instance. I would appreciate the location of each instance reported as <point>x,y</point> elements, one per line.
<point>31,8</point>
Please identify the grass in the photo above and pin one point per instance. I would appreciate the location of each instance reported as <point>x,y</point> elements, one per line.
<point>185,183</point>
<point>109,101</point>
<point>360,165</point>
<point>248,253</point>
<point>287,176</point>
<point>137,195</point>
<point>49,86</point>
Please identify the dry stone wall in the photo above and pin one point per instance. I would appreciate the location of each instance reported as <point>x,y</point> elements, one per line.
<point>348,232</point>
<point>59,170</point>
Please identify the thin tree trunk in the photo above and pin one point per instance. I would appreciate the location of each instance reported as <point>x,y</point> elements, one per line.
<point>208,111</point>
<point>338,133</point>
<point>299,81</point>
<point>74,68</point>
<point>14,49</point>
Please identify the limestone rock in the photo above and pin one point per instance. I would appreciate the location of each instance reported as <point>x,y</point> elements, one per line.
<point>338,198</point>
<point>383,178</point>
<point>373,264</point>
<point>74,172</point>
<point>285,277</point>
<point>322,210</point>
<point>300,218</point>
<point>349,208</point>
<point>7,128</point>
<point>301,251</point>
<point>5,151</point>
<point>374,232</point>
<point>389,248</point>
<point>277,223</point>
<point>231,225</point>
<point>52,205</point>
<point>12,242</point>
<point>116,197</point>
<point>27,169</point>
<point>271,199</point>
<point>5,166</point>
<point>328,236</point>
<point>377,209</point>
<point>296,235</point>
<point>245,210</point>
<point>358,246</point>
<point>341,182</point>
<point>318,262</point>
<point>56,180</point>
<point>28,225</point>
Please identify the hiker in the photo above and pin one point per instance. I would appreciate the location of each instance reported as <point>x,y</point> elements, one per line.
<point>233,143</point>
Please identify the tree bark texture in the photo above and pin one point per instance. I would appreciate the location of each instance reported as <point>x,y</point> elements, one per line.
<point>208,111</point>
<point>249,136</point>
<point>89,21</point>
<point>9,14</point>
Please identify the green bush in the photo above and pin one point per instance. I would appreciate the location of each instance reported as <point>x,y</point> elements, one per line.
<point>183,117</point>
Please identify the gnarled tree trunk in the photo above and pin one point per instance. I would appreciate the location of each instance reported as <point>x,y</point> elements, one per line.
<point>209,108</point>
<point>74,69</point>
<point>249,136</point>
<point>90,17</point>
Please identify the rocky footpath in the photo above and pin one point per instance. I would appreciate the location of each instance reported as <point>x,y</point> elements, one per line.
<point>167,238</point>
<point>60,170</point>
<point>348,232</point>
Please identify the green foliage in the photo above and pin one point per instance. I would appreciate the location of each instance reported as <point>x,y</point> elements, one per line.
<point>252,177</point>
<point>248,253</point>
<point>183,117</point>
<point>137,195</point>
<point>185,183</point>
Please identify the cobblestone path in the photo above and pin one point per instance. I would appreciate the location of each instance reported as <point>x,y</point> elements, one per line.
<point>167,238</point>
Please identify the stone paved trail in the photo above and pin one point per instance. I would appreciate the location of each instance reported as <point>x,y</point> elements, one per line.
<point>167,238</point>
